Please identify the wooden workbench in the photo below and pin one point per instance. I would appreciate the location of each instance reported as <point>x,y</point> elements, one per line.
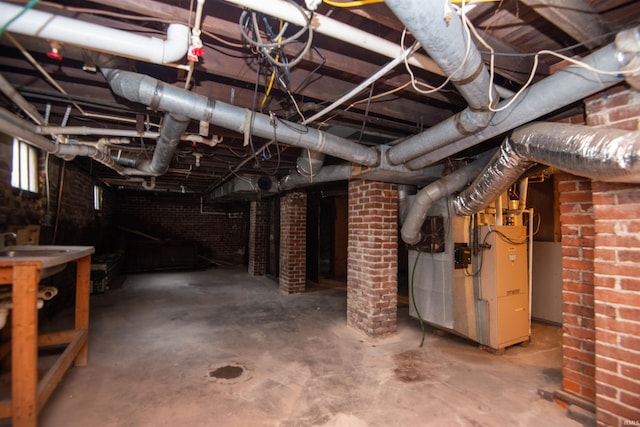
<point>28,395</point>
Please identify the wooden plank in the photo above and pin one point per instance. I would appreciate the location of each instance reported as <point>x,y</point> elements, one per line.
<point>83,273</point>
<point>5,409</point>
<point>24,355</point>
<point>56,338</point>
<point>577,18</point>
<point>6,275</point>
<point>61,365</point>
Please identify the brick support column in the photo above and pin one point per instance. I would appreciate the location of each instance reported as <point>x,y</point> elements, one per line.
<point>578,338</point>
<point>293,242</point>
<point>617,302</point>
<point>258,229</point>
<point>616,210</point>
<point>372,260</point>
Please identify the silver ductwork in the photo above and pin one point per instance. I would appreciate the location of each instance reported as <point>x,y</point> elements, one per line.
<point>332,173</point>
<point>564,87</point>
<point>245,187</point>
<point>600,154</point>
<point>448,43</point>
<point>173,126</point>
<point>435,191</point>
<point>309,163</point>
<point>164,97</point>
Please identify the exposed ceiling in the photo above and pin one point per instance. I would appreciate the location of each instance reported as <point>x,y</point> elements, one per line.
<point>232,72</point>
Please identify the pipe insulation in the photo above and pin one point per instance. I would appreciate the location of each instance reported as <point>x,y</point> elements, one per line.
<point>332,173</point>
<point>427,196</point>
<point>164,97</point>
<point>97,37</point>
<point>564,87</point>
<point>611,155</point>
<point>448,42</point>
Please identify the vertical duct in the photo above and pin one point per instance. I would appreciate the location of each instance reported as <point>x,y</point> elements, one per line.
<point>448,42</point>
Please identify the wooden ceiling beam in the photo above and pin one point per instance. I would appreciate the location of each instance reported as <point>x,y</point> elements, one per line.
<point>577,18</point>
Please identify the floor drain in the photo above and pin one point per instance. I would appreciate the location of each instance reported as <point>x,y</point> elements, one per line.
<point>229,373</point>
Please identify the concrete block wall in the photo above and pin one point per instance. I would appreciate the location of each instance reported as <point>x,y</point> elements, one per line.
<point>258,231</point>
<point>293,242</point>
<point>601,278</point>
<point>372,257</point>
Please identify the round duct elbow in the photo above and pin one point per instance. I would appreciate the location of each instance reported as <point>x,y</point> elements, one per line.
<point>309,163</point>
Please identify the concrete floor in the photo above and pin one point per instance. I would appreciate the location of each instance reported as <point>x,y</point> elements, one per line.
<point>155,341</point>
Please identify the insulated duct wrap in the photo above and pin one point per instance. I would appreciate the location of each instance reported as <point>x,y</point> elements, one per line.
<point>611,155</point>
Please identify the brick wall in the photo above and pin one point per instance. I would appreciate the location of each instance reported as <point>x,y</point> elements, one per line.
<point>293,242</point>
<point>219,231</point>
<point>258,229</point>
<point>372,260</point>
<point>578,240</point>
<point>616,209</point>
<point>617,302</point>
<point>78,222</point>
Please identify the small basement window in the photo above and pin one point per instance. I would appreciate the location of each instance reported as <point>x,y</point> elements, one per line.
<point>97,198</point>
<point>24,168</point>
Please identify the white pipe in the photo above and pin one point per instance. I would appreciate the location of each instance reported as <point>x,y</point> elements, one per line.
<point>97,37</point>
<point>498,203</point>
<point>337,30</point>
<point>368,81</point>
<point>86,130</point>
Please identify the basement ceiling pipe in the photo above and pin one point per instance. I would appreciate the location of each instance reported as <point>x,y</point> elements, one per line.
<point>566,86</point>
<point>11,93</point>
<point>164,97</point>
<point>20,128</point>
<point>448,42</point>
<point>435,191</point>
<point>97,37</point>
<point>611,155</point>
<point>173,126</point>
<point>331,173</point>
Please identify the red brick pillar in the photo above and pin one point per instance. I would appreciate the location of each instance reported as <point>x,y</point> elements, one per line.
<point>617,302</point>
<point>372,260</point>
<point>578,338</point>
<point>258,229</point>
<point>617,274</point>
<point>293,242</point>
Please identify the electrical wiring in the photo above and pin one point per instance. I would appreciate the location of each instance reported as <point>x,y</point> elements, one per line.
<point>534,68</point>
<point>249,20</point>
<point>28,6</point>
<point>348,4</point>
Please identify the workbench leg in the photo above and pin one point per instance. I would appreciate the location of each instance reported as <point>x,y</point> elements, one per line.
<point>24,349</point>
<point>83,277</point>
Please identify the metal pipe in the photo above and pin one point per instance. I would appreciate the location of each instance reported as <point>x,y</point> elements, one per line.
<point>610,155</point>
<point>332,173</point>
<point>435,191</point>
<point>11,93</point>
<point>161,96</point>
<point>566,86</point>
<point>448,42</point>
<point>97,37</point>
<point>87,130</point>
<point>309,163</point>
<point>173,126</point>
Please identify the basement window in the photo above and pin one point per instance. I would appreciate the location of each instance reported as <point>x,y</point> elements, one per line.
<point>24,168</point>
<point>97,198</point>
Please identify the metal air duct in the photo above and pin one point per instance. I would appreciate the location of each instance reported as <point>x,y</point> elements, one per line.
<point>448,42</point>
<point>601,154</point>
<point>556,91</point>
<point>161,96</point>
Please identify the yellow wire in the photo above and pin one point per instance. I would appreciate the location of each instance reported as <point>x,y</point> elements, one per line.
<point>273,74</point>
<point>351,3</point>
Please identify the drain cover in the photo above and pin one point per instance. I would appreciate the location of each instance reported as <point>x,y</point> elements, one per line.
<point>229,373</point>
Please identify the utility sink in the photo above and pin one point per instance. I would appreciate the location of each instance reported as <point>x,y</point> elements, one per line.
<point>13,253</point>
